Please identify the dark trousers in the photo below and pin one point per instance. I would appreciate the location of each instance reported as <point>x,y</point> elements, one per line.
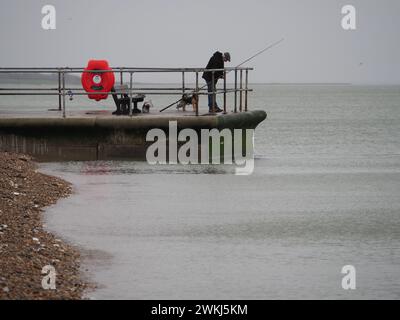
<point>211,88</point>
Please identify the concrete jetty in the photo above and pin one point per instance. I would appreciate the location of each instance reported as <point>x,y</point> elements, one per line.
<point>68,133</point>
<point>83,136</point>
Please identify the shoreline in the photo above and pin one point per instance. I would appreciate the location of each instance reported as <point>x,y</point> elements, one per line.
<point>25,246</point>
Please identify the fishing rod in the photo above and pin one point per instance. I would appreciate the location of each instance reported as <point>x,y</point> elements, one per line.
<point>239,65</point>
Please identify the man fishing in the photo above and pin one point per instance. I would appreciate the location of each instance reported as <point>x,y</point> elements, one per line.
<point>217,61</point>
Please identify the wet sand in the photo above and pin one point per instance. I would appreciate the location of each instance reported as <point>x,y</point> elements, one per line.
<point>25,246</point>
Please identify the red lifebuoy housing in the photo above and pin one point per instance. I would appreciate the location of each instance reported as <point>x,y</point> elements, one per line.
<point>97,81</point>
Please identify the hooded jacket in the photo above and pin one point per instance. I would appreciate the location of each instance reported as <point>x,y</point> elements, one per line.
<point>216,62</point>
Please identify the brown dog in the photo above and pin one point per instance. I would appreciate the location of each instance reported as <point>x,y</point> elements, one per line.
<point>189,99</point>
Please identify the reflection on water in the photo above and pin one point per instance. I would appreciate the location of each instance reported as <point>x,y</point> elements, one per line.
<point>141,167</point>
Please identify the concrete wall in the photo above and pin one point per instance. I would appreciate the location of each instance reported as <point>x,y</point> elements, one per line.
<point>103,138</point>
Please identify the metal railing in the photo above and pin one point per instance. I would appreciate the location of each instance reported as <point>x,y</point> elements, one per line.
<point>240,86</point>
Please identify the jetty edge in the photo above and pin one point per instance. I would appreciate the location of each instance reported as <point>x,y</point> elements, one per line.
<point>88,137</point>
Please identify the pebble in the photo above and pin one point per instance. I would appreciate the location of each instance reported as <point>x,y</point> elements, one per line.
<point>22,193</point>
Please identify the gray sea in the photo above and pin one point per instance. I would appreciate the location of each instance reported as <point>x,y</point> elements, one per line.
<point>325,193</point>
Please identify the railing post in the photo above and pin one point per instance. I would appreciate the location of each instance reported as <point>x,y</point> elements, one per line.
<point>183,82</point>
<point>130,92</point>
<point>235,90</point>
<point>59,90</point>
<point>247,87</point>
<point>241,92</point>
<point>224,92</point>
<point>197,93</point>
<point>213,91</point>
<point>63,93</point>
<point>121,75</point>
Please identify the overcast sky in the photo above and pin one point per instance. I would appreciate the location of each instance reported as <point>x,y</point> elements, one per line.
<point>184,33</point>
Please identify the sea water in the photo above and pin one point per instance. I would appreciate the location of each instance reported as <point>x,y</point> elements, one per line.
<point>325,193</point>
